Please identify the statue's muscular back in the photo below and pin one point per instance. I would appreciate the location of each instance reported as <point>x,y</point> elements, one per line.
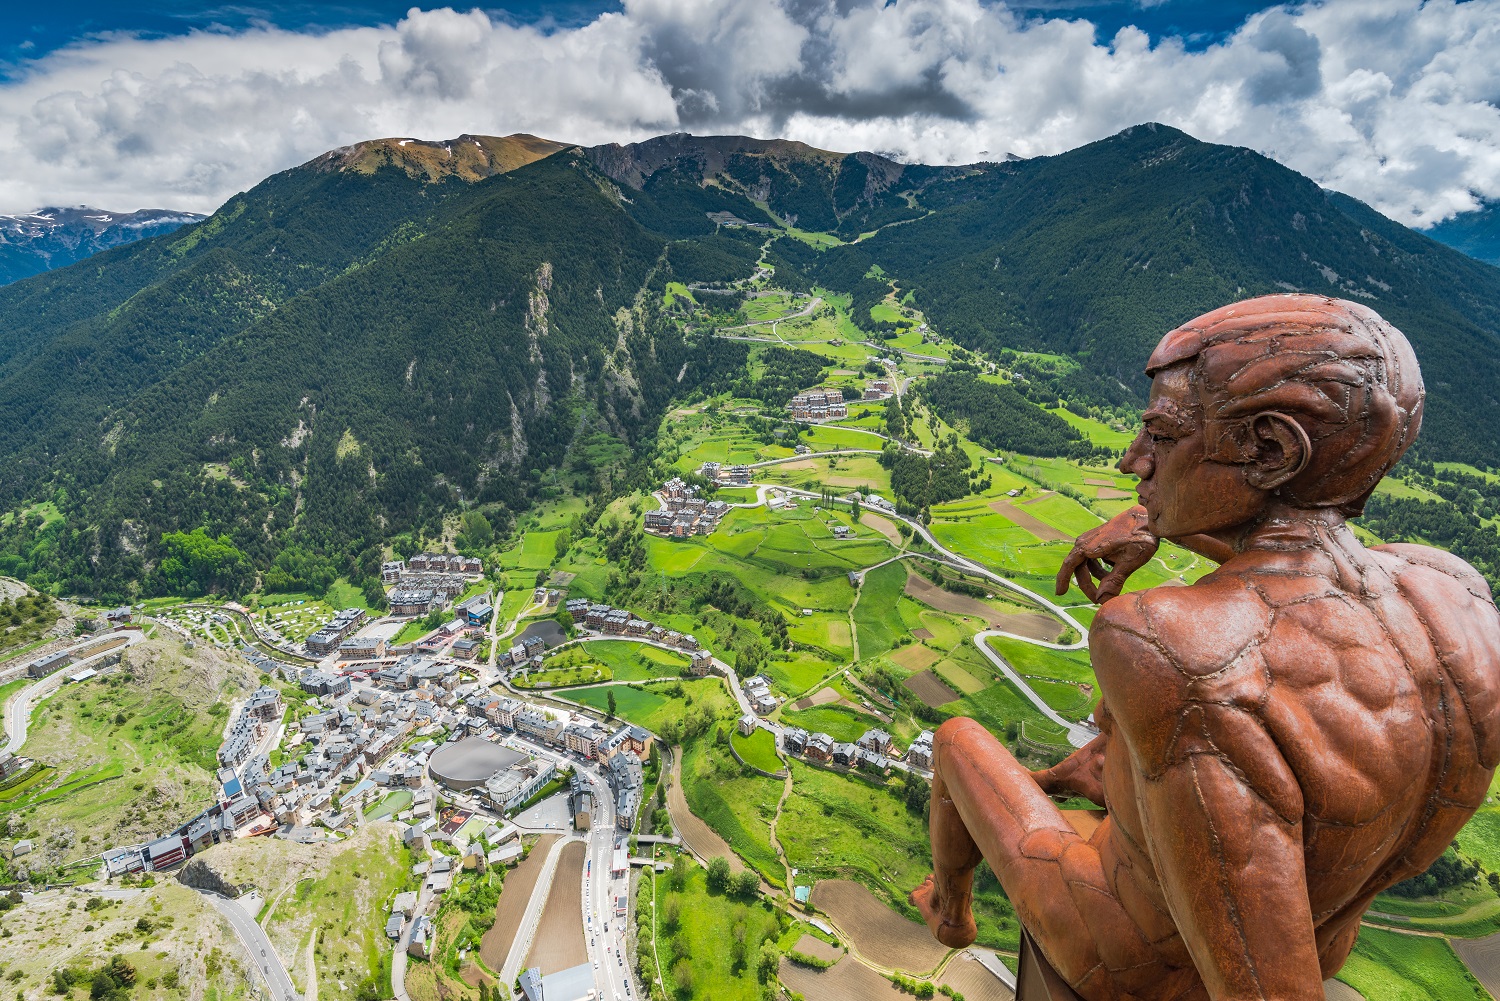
<point>1373,674</point>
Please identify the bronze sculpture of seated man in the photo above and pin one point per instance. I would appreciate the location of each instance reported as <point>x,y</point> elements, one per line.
<point>1298,730</point>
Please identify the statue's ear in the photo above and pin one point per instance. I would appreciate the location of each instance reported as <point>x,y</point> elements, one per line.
<point>1282,450</point>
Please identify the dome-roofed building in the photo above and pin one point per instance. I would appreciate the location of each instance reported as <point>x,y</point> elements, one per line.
<point>469,762</point>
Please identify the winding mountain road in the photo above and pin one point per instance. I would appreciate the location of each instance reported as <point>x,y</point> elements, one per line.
<point>21,705</point>
<point>262,956</point>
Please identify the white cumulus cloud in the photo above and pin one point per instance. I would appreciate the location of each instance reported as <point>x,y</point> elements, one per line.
<point>1393,101</point>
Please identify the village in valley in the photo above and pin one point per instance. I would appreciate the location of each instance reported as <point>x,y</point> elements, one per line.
<point>572,762</point>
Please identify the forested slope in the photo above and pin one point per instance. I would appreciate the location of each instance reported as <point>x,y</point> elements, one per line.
<point>1096,252</point>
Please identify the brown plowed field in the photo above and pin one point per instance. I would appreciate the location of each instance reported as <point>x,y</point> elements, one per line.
<point>697,835</point>
<point>1337,990</point>
<point>1033,624</point>
<point>967,976</point>
<point>875,930</point>
<point>930,689</point>
<point>1030,522</point>
<point>883,525</point>
<point>1110,493</point>
<point>1482,957</point>
<point>1094,481</point>
<point>922,634</point>
<point>810,945</point>
<point>514,897</point>
<point>846,980</point>
<point>559,941</point>
<point>916,657</point>
<point>821,697</point>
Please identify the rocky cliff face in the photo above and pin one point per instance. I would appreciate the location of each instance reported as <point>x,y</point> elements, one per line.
<point>200,874</point>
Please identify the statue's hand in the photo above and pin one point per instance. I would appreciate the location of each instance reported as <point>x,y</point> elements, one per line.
<point>1109,554</point>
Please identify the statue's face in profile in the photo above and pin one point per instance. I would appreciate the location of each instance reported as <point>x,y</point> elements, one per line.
<point>1184,492</point>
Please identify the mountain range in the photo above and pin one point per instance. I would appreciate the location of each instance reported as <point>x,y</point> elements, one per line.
<point>400,329</point>
<point>1475,233</point>
<point>56,237</point>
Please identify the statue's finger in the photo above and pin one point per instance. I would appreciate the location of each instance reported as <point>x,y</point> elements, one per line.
<point>1085,582</point>
<point>1065,573</point>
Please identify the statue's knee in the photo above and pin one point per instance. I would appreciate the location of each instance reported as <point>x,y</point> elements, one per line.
<point>957,731</point>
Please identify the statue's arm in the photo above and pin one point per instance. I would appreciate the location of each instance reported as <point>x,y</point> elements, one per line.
<point>1103,558</point>
<point>1222,816</point>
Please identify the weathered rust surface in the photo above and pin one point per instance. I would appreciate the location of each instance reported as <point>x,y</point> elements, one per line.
<point>1307,725</point>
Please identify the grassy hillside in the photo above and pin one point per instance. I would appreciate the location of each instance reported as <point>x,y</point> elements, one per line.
<point>126,754</point>
<point>176,943</point>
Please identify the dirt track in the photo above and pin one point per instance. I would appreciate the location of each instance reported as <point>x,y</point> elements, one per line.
<point>559,941</point>
<point>1337,990</point>
<point>876,932</point>
<point>967,976</point>
<point>1030,522</point>
<point>929,687</point>
<point>846,980</point>
<point>697,835</point>
<point>514,897</point>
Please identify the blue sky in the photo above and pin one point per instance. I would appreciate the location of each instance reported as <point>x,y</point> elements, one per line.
<point>164,103</point>
<point>28,30</point>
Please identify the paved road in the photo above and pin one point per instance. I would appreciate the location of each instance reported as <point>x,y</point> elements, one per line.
<point>262,956</point>
<point>18,710</point>
<point>804,311</point>
<point>1078,735</point>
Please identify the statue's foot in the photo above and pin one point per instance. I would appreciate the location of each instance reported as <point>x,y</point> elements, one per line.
<point>951,921</point>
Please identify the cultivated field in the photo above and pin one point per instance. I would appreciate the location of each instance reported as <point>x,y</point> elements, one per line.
<point>874,930</point>
<point>514,897</point>
<point>822,697</point>
<point>846,980</point>
<point>916,657</point>
<point>697,835</point>
<point>1392,967</point>
<point>1482,957</point>
<point>1028,521</point>
<point>559,941</point>
<point>758,749</point>
<point>811,945</point>
<point>968,976</point>
<point>930,689</point>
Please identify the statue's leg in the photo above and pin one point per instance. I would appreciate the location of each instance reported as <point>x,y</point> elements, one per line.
<point>985,803</point>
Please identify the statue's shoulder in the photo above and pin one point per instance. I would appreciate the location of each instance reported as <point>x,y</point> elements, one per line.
<point>1193,630</point>
<point>1433,568</point>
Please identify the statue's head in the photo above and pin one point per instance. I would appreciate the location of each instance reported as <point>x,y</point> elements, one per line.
<point>1297,398</point>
